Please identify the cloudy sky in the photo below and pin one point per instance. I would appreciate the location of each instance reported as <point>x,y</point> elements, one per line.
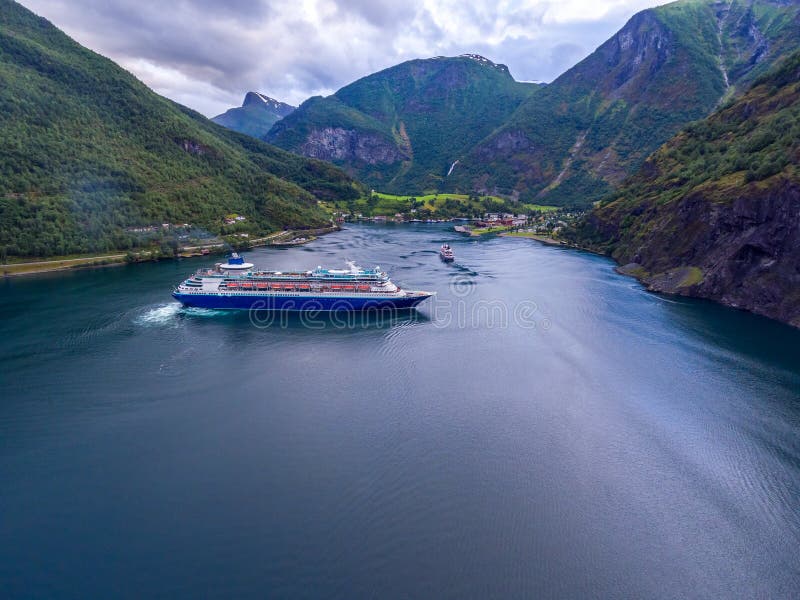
<point>207,53</point>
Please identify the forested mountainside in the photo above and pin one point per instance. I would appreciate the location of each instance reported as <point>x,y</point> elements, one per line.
<point>87,153</point>
<point>403,128</point>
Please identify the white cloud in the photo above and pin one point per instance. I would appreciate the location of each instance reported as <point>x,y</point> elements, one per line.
<point>575,11</point>
<point>207,54</point>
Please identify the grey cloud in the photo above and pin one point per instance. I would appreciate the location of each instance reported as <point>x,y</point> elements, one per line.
<point>188,36</point>
<point>425,28</point>
<point>225,48</point>
<point>380,13</point>
<point>528,16</point>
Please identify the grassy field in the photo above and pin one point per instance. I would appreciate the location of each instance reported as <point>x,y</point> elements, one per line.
<point>487,230</point>
<point>432,198</point>
<point>435,205</point>
<point>541,207</point>
<point>24,268</point>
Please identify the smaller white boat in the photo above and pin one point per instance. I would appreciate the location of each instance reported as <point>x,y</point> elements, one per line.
<point>235,264</point>
<point>446,253</point>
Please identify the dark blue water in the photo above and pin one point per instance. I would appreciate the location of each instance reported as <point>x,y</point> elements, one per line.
<point>544,429</point>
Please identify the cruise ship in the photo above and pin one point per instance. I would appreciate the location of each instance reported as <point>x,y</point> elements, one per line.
<point>236,285</point>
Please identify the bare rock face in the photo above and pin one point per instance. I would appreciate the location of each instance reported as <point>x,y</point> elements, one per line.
<point>752,254</point>
<point>513,141</point>
<point>744,254</point>
<point>635,55</point>
<point>194,147</point>
<point>338,144</point>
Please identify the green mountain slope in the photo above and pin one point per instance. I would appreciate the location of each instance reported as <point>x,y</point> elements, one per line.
<point>402,129</point>
<point>594,125</point>
<point>87,151</point>
<point>716,211</point>
<point>256,116</point>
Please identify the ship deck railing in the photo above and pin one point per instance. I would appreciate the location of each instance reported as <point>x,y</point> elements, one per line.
<point>316,277</point>
<point>315,290</point>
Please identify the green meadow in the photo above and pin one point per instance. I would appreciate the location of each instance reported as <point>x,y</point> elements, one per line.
<point>434,205</point>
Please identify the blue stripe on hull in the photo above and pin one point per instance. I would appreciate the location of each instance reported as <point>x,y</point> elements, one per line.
<point>242,302</point>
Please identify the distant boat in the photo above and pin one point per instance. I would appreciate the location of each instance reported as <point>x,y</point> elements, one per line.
<point>446,253</point>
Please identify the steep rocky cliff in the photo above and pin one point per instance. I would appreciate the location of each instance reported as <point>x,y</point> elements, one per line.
<point>339,144</point>
<point>716,212</point>
<point>583,134</point>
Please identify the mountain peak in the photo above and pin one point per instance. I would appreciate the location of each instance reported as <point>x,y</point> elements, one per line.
<point>257,114</point>
<point>485,61</point>
<point>258,99</point>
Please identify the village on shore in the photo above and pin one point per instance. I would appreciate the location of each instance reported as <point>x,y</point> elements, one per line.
<point>543,224</point>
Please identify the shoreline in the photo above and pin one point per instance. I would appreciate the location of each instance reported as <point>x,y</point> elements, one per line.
<point>548,241</point>
<point>532,236</point>
<point>64,264</point>
<point>52,265</point>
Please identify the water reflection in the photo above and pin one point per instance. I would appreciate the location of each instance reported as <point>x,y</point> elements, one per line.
<point>637,444</point>
<point>379,318</point>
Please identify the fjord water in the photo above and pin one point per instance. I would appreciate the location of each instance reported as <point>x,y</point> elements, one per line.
<point>593,440</point>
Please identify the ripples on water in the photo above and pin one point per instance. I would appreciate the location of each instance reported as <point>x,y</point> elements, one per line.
<point>638,446</point>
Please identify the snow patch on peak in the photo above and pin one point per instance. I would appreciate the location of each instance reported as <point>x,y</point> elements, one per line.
<point>478,57</point>
<point>485,61</point>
